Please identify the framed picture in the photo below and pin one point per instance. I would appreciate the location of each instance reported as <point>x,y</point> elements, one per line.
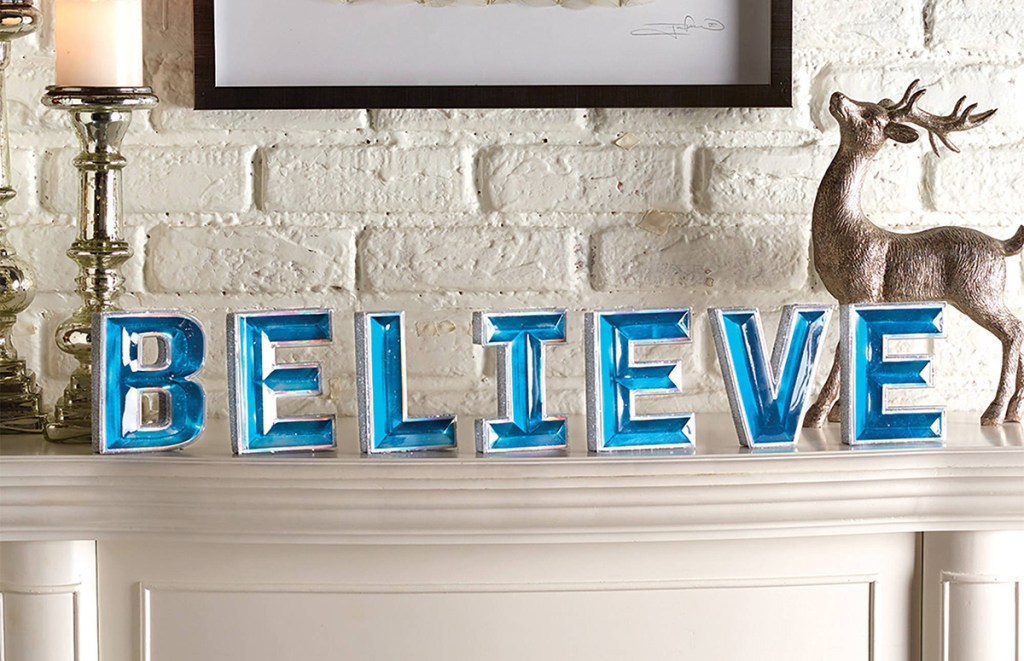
<point>492,53</point>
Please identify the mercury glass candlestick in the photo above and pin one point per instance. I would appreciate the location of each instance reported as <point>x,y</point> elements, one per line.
<point>100,117</point>
<point>20,397</point>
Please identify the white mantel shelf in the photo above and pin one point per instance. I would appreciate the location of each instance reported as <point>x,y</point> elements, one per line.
<point>202,494</point>
<point>895,554</point>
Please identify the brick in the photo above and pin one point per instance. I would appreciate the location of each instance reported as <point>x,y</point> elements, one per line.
<point>686,120</point>
<point>365,179</point>
<point>503,119</point>
<point>988,85</point>
<point>440,343</point>
<point>168,24</point>
<point>26,82</point>
<point>857,26</point>
<point>575,179</point>
<point>163,180</point>
<point>178,118</point>
<point>976,25</point>
<point>468,259</point>
<point>167,59</point>
<point>978,180</point>
<point>703,258</point>
<point>786,180</point>
<point>746,180</point>
<point>214,260</point>
<point>24,179</point>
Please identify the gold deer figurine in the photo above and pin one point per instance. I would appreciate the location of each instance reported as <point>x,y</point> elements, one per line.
<point>859,262</point>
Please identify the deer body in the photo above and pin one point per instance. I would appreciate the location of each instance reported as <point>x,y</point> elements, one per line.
<point>859,262</point>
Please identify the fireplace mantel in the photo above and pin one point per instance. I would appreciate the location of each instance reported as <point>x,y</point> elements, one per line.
<point>974,482</point>
<point>943,518</point>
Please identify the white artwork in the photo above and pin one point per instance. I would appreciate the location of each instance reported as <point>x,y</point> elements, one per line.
<point>384,43</point>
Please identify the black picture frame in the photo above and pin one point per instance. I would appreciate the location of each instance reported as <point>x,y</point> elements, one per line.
<point>777,94</point>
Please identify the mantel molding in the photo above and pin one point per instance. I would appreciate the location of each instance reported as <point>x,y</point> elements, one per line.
<point>209,496</point>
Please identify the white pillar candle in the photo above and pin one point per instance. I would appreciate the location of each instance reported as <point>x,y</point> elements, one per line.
<point>99,43</point>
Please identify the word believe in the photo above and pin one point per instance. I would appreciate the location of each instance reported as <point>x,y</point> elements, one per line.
<point>767,396</point>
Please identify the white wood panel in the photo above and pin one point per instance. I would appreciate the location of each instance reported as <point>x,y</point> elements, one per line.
<point>811,597</point>
<point>594,622</point>
<point>981,619</point>
<point>48,599</point>
<point>39,627</point>
<point>972,596</point>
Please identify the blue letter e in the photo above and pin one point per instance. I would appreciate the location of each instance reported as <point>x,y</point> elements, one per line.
<point>868,373</point>
<point>256,381</point>
<point>146,403</point>
<point>615,379</point>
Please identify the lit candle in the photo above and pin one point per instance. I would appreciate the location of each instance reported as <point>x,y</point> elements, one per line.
<point>99,43</point>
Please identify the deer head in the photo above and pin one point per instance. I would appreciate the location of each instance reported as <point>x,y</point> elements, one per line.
<point>865,126</point>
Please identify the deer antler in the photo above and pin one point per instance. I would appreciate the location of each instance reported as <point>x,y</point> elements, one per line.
<point>938,126</point>
<point>909,97</point>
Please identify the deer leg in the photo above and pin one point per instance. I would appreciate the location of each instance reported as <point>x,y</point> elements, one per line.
<point>1015,410</point>
<point>836,414</point>
<point>826,399</point>
<point>1009,330</point>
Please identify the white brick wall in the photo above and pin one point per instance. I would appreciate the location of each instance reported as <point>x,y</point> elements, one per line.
<point>585,179</point>
<point>168,180</point>
<point>366,179</point>
<point>441,212</point>
<point>468,259</point>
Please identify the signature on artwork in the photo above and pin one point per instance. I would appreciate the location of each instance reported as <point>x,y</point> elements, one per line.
<point>688,26</point>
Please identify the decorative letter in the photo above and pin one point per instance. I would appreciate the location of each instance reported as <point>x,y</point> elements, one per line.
<point>614,380</point>
<point>520,338</point>
<point>146,406</point>
<point>868,373</point>
<point>256,381</point>
<point>380,381</point>
<point>767,401</point>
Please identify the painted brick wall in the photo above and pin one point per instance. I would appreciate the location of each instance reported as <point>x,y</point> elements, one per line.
<point>441,212</point>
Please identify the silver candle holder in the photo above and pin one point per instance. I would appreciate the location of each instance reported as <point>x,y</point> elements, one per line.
<point>101,117</point>
<point>21,404</point>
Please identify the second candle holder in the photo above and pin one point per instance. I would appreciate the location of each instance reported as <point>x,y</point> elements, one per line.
<point>101,117</point>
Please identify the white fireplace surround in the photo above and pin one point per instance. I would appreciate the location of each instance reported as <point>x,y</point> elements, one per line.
<point>823,553</point>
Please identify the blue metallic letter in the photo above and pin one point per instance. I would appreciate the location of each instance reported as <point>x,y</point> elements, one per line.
<point>380,381</point>
<point>868,373</point>
<point>614,380</point>
<point>256,381</point>
<point>143,406</point>
<point>520,338</point>
<point>767,401</point>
